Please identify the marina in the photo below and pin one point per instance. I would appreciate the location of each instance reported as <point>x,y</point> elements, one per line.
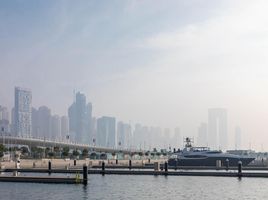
<point>114,169</point>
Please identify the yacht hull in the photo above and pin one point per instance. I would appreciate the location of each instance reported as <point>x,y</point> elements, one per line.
<point>208,161</point>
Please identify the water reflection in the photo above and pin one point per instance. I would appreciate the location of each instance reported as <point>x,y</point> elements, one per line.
<point>142,187</point>
<point>85,192</point>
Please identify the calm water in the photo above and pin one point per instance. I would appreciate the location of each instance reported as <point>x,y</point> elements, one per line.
<point>141,187</point>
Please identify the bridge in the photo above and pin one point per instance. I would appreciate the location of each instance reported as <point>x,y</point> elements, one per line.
<point>35,142</point>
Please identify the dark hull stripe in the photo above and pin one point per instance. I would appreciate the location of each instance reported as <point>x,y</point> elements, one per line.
<point>208,161</point>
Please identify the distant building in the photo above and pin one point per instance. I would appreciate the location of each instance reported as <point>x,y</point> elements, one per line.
<point>202,135</point>
<point>138,137</point>
<point>89,125</point>
<point>35,127</point>
<point>44,122</point>
<point>23,112</point>
<point>106,132</point>
<point>55,131</point>
<point>4,120</point>
<point>80,117</point>
<point>123,135</point>
<point>237,138</point>
<point>64,127</point>
<point>217,128</point>
<point>156,138</point>
<point>4,114</point>
<point>93,130</point>
<point>12,127</point>
<point>41,122</point>
<point>4,127</point>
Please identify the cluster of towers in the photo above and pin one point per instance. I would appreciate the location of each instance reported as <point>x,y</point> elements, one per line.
<point>81,127</point>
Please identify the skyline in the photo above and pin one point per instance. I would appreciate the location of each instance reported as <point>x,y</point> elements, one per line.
<point>153,63</point>
<point>81,125</point>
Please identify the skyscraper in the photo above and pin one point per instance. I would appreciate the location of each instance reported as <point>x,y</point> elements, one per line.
<point>89,123</point>
<point>64,127</point>
<point>4,114</point>
<point>123,134</point>
<point>4,120</point>
<point>35,127</point>
<point>23,112</point>
<point>41,122</point>
<point>202,135</point>
<point>55,130</point>
<point>106,132</point>
<point>44,122</point>
<point>137,136</point>
<point>80,115</point>
<point>217,128</point>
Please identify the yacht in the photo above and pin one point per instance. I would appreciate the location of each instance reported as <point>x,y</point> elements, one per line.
<point>203,156</point>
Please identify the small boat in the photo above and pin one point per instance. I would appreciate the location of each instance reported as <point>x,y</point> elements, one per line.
<point>203,156</point>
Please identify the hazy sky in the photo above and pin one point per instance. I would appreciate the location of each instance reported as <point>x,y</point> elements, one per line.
<point>155,62</point>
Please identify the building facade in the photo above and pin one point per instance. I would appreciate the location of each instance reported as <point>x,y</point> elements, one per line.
<point>123,135</point>
<point>23,112</point>
<point>202,135</point>
<point>80,117</point>
<point>217,128</point>
<point>106,132</point>
<point>64,128</point>
<point>55,130</point>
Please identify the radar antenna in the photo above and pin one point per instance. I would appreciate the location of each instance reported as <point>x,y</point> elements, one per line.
<point>188,141</point>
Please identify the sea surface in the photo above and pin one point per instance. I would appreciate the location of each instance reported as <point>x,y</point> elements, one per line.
<point>142,188</point>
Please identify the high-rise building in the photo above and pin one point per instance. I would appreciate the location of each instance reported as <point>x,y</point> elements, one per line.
<point>64,127</point>
<point>89,128</point>
<point>41,123</point>
<point>4,120</point>
<point>4,114</point>
<point>23,112</point>
<point>202,135</point>
<point>35,127</point>
<point>137,136</point>
<point>237,138</point>
<point>106,132</point>
<point>123,135</point>
<point>156,137</point>
<point>217,128</point>
<point>93,130</point>
<point>44,122</point>
<point>12,127</point>
<point>55,131</point>
<point>80,116</point>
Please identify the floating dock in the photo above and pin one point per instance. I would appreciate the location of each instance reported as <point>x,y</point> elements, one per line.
<point>36,179</point>
<point>44,179</point>
<point>231,173</point>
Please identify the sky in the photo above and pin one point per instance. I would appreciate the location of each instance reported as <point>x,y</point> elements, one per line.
<point>159,63</point>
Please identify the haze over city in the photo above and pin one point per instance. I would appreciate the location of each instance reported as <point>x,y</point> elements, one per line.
<point>142,62</point>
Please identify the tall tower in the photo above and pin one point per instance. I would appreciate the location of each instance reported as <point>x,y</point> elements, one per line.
<point>44,122</point>
<point>202,135</point>
<point>106,132</point>
<point>80,115</point>
<point>64,127</point>
<point>217,128</point>
<point>23,112</point>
